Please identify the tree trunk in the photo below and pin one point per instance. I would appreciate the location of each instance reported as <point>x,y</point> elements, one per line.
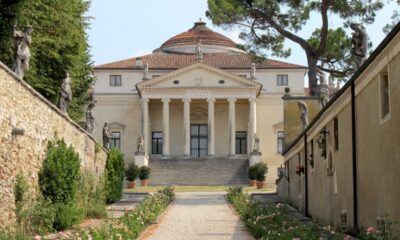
<point>312,75</point>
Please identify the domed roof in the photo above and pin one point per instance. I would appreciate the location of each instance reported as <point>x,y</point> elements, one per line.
<point>211,41</point>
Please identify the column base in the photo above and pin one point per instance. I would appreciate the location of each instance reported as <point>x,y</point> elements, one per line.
<point>186,156</point>
<point>210,156</point>
<point>232,156</point>
<point>165,156</point>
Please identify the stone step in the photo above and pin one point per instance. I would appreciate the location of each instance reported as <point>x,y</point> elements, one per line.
<point>218,171</point>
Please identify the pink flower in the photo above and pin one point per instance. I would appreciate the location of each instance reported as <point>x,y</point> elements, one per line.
<point>371,230</point>
<point>37,237</point>
<point>347,237</point>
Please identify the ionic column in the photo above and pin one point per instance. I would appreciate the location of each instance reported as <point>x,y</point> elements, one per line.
<point>252,123</point>
<point>186,125</point>
<point>232,126</point>
<point>145,124</point>
<point>211,127</point>
<point>165,102</point>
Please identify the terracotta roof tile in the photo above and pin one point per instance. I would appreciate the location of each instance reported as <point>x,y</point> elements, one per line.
<point>161,60</point>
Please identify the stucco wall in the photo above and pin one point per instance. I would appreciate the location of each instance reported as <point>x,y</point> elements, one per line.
<point>24,108</point>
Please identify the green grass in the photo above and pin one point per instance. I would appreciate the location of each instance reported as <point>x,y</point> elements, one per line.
<point>196,189</point>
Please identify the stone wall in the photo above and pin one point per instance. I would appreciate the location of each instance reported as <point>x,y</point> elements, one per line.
<point>23,108</point>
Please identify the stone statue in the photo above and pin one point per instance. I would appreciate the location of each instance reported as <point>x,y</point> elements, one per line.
<point>22,41</point>
<point>91,91</point>
<point>323,88</point>
<point>199,52</point>
<point>140,144</point>
<point>146,71</point>
<point>65,94</point>
<point>304,113</point>
<point>359,41</point>
<point>106,136</point>
<point>253,71</point>
<point>256,143</point>
<point>89,125</point>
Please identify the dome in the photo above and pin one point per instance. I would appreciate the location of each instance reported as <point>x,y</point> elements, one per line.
<point>211,41</point>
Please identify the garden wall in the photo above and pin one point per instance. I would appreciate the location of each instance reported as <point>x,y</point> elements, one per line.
<point>23,108</point>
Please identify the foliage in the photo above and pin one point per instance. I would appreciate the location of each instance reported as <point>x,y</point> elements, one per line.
<point>252,172</point>
<point>132,172</point>
<point>262,169</point>
<point>144,173</point>
<point>114,175</point>
<point>132,223</point>
<point>269,221</point>
<point>384,232</point>
<point>91,196</point>
<point>66,215</point>
<point>20,189</point>
<point>15,236</point>
<point>59,177</point>
<point>265,25</point>
<point>395,20</point>
<point>59,44</point>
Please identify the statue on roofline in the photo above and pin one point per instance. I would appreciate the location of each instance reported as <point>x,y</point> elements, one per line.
<point>22,41</point>
<point>65,94</point>
<point>304,113</point>
<point>106,136</point>
<point>89,124</point>
<point>359,41</point>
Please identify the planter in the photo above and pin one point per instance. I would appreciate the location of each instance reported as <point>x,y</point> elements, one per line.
<point>252,183</point>
<point>144,182</point>
<point>260,184</point>
<point>131,184</point>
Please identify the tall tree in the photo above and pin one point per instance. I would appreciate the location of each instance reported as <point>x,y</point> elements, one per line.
<point>59,44</point>
<point>266,24</point>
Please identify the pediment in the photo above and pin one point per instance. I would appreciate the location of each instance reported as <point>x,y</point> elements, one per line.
<point>198,75</point>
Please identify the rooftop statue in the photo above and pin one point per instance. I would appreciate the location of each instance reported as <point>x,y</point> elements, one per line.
<point>146,71</point>
<point>22,41</point>
<point>304,113</point>
<point>359,41</point>
<point>106,136</point>
<point>89,125</point>
<point>65,94</point>
<point>199,52</point>
<point>253,71</point>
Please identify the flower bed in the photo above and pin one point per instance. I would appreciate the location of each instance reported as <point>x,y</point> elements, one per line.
<point>269,221</point>
<point>132,223</point>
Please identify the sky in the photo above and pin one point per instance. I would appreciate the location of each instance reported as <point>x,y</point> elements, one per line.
<point>123,29</point>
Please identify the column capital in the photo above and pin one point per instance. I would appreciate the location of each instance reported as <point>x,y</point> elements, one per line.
<point>231,99</point>
<point>253,99</point>
<point>186,99</point>
<point>166,100</point>
<point>145,100</point>
<point>210,99</point>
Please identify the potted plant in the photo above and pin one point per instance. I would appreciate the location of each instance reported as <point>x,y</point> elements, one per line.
<point>131,173</point>
<point>261,172</point>
<point>252,173</point>
<point>144,173</point>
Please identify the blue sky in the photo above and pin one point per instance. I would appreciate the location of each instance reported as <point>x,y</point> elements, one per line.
<point>123,29</point>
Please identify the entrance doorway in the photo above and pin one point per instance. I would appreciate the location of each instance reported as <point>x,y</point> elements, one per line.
<point>198,140</point>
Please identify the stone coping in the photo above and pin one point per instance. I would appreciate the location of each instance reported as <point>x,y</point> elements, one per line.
<point>47,102</point>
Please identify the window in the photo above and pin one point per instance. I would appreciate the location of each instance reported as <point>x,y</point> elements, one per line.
<point>157,140</point>
<point>281,137</point>
<point>336,133</point>
<point>115,80</point>
<point>241,142</point>
<point>115,140</point>
<point>384,95</point>
<point>282,80</point>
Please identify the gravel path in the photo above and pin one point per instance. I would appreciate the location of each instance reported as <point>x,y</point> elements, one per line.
<point>202,216</point>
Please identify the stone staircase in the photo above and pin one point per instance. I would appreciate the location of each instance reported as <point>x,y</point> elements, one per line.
<point>196,172</point>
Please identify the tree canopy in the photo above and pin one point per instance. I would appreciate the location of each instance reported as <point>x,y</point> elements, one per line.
<point>265,24</point>
<point>59,44</point>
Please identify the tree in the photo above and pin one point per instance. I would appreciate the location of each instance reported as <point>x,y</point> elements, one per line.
<point>265,24</point>
<point>395,20</point>
<point>59,44</point>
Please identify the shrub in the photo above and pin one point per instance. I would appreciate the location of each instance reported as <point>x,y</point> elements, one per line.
<point>39,218</point>
<point>91,196</point>
<point>252,172</point>
<point>132,172</point>
<point>262,169</point>
<point>66,216</point>
<point>59,177</point>
<point>20,189</point>
<point>144,173</point>
<point>114,175</point>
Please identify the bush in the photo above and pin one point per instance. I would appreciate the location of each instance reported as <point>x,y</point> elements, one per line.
<point>66,216</point>
<point>59,177</point>
<point>144,173</point>
<point>39,218</point>
<point>132,172</point>
<point>252,172</point>
<point>91,196</point>
<point>262,169</point>
<point>114,175</point>
<point>20,189</point>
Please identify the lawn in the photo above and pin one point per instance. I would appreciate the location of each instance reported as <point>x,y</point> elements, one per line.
<point>197,189</point>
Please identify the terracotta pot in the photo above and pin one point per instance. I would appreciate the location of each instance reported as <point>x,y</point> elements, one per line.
<point>131,185</point>
<point>143,182</point>
<point>260,184</point>
<point>252,183</point>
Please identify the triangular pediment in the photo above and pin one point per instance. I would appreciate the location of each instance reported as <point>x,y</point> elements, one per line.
<point>198,75</point>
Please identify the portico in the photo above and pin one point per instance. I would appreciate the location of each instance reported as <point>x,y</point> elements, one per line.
<point>198,111</point>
